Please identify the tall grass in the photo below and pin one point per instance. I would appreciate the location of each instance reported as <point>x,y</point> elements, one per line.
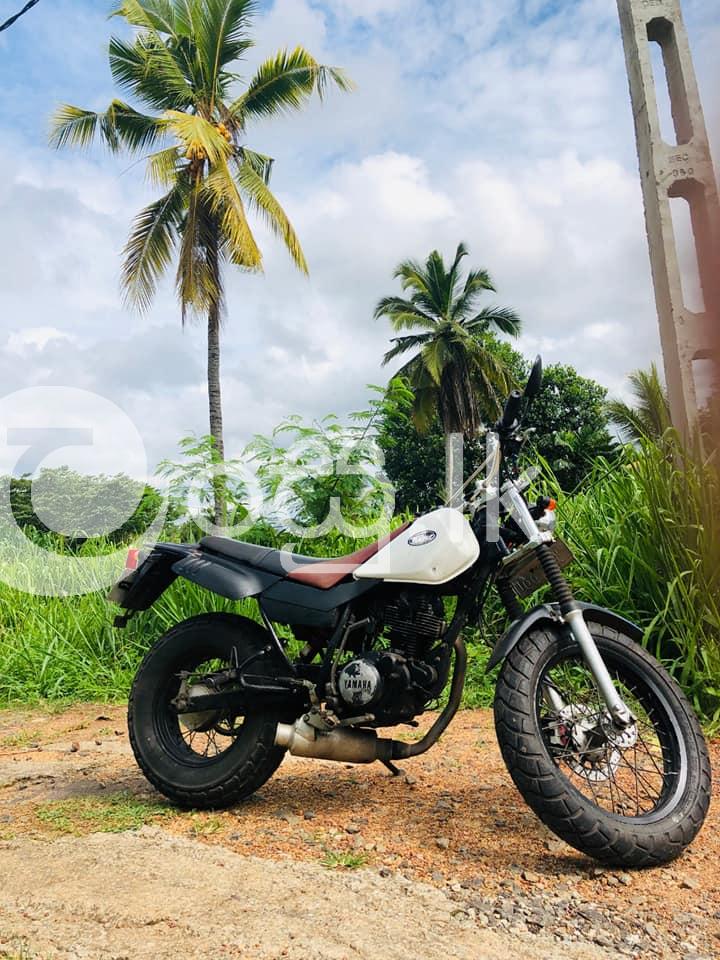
<point>55,648</point>
<point>645,533</point>
<point>66,648</point>
<point>646,536</point>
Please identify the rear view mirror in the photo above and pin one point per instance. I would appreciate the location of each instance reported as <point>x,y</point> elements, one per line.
<point>535,381</point>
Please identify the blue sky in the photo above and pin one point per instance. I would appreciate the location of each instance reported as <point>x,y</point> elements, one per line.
<point>505,125</point>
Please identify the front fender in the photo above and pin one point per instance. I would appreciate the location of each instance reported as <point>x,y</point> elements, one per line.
<point>550,613</point>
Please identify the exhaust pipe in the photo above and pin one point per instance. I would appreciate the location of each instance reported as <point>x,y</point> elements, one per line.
<point>403,751</point>
<point>364,746</point>
<point>343,743</point>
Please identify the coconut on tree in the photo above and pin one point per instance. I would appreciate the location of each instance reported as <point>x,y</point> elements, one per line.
<point>191,126</point>
<point>454,370</point>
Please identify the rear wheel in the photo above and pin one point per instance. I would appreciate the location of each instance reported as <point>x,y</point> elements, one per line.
<point>634,798</point>
<point>205,760</point>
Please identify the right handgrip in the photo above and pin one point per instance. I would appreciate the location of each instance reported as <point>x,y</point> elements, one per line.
<point>511,411</point>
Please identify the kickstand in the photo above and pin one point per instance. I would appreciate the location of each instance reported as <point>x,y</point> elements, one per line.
<point>395,771</point>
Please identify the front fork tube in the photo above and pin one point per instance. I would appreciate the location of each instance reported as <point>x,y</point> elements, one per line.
<point>553,699</point>
<point>619,711</point>
<point>573,617</point>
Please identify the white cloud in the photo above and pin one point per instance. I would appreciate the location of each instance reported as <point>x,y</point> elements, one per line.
<point>371,9</point>
<point>24,342</point>
<point>504,210</point>
<point>288,23</point>
<point>602,331</point>
<point>391,187</point>
<point>502,125</point>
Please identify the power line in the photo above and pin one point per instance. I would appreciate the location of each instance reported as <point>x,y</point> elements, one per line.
<point>8,23</point>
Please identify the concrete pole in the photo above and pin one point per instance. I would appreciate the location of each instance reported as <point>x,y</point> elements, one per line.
<point>683,169</point>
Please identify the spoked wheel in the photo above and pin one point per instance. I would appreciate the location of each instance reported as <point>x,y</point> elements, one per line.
<point>202,736</point>
<point>632,797</point>
<point>629,772</point>
<point>204,760</point>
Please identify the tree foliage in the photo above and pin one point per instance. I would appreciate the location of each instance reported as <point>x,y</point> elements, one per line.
<point>191,126</point>
<point>648,418</point>
<point>78,507</point>
<point>453,373</point>
<point>192,481</point>
<point>330,473</point>
<point>180,68</point>
<point>567,423</point>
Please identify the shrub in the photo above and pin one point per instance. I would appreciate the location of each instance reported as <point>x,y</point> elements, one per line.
<point>646,535</point>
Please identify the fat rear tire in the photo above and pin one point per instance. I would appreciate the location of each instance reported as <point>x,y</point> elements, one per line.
<point>606,836</point>
<point>185,779</point>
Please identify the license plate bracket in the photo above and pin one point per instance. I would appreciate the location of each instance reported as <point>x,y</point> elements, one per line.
<point>525,576</point>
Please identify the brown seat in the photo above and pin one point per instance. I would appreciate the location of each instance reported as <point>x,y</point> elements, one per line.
<point>328,573</point>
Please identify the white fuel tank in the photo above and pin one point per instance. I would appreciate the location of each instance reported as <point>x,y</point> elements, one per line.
<point>435,549</point>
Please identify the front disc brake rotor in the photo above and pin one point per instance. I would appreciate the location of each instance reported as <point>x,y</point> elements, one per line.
<point>591,745</point>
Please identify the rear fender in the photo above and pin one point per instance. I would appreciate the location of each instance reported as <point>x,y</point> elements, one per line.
<point>549,613</point>
<point>139,589</point>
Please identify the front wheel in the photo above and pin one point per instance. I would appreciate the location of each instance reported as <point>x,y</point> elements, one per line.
<point>632,798</point>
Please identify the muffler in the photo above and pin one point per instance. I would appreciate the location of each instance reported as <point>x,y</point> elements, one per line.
<point>348,745</point>
<point>342,743</point>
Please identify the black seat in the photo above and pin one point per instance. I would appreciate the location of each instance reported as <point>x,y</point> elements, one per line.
<point>279,562</point>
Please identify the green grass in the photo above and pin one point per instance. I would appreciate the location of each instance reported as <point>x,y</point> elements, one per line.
<point>66,649</point>
<point>479,687</point>
<point>114,814</point>
<point>18,951</point>
<point>20,739</point>
<point>204,825</point>
<point>646,537</point>
<point>645,533</point>
<point>343,860</point>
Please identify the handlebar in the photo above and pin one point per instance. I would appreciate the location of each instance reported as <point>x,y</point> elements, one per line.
<point>511,412</point>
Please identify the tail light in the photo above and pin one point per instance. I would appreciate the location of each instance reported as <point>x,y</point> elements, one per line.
<point>133,556</point>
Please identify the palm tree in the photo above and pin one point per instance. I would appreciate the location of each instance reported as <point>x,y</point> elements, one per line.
<point>454,371</point>
<point>649,418</point>
<point>192,132</point>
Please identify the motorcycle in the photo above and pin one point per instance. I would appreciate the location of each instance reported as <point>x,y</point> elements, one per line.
<point>597,737</point>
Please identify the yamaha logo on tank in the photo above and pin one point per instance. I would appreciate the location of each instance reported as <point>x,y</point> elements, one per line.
<point>422,538</point>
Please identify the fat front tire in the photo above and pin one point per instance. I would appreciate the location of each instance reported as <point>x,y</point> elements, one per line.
<point>222,760</point>
<point>633,800</point>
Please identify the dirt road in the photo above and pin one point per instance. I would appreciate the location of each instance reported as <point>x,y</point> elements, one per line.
<point>326,862</point>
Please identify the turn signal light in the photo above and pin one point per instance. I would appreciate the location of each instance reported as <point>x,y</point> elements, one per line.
<point>552,505</point>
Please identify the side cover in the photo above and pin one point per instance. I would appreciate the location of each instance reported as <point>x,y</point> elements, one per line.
<point>235,581</point>
<point>435,549</point>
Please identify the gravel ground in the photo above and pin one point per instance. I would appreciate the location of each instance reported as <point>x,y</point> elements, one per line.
<point>326,861</point>
<point>147,894</point>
